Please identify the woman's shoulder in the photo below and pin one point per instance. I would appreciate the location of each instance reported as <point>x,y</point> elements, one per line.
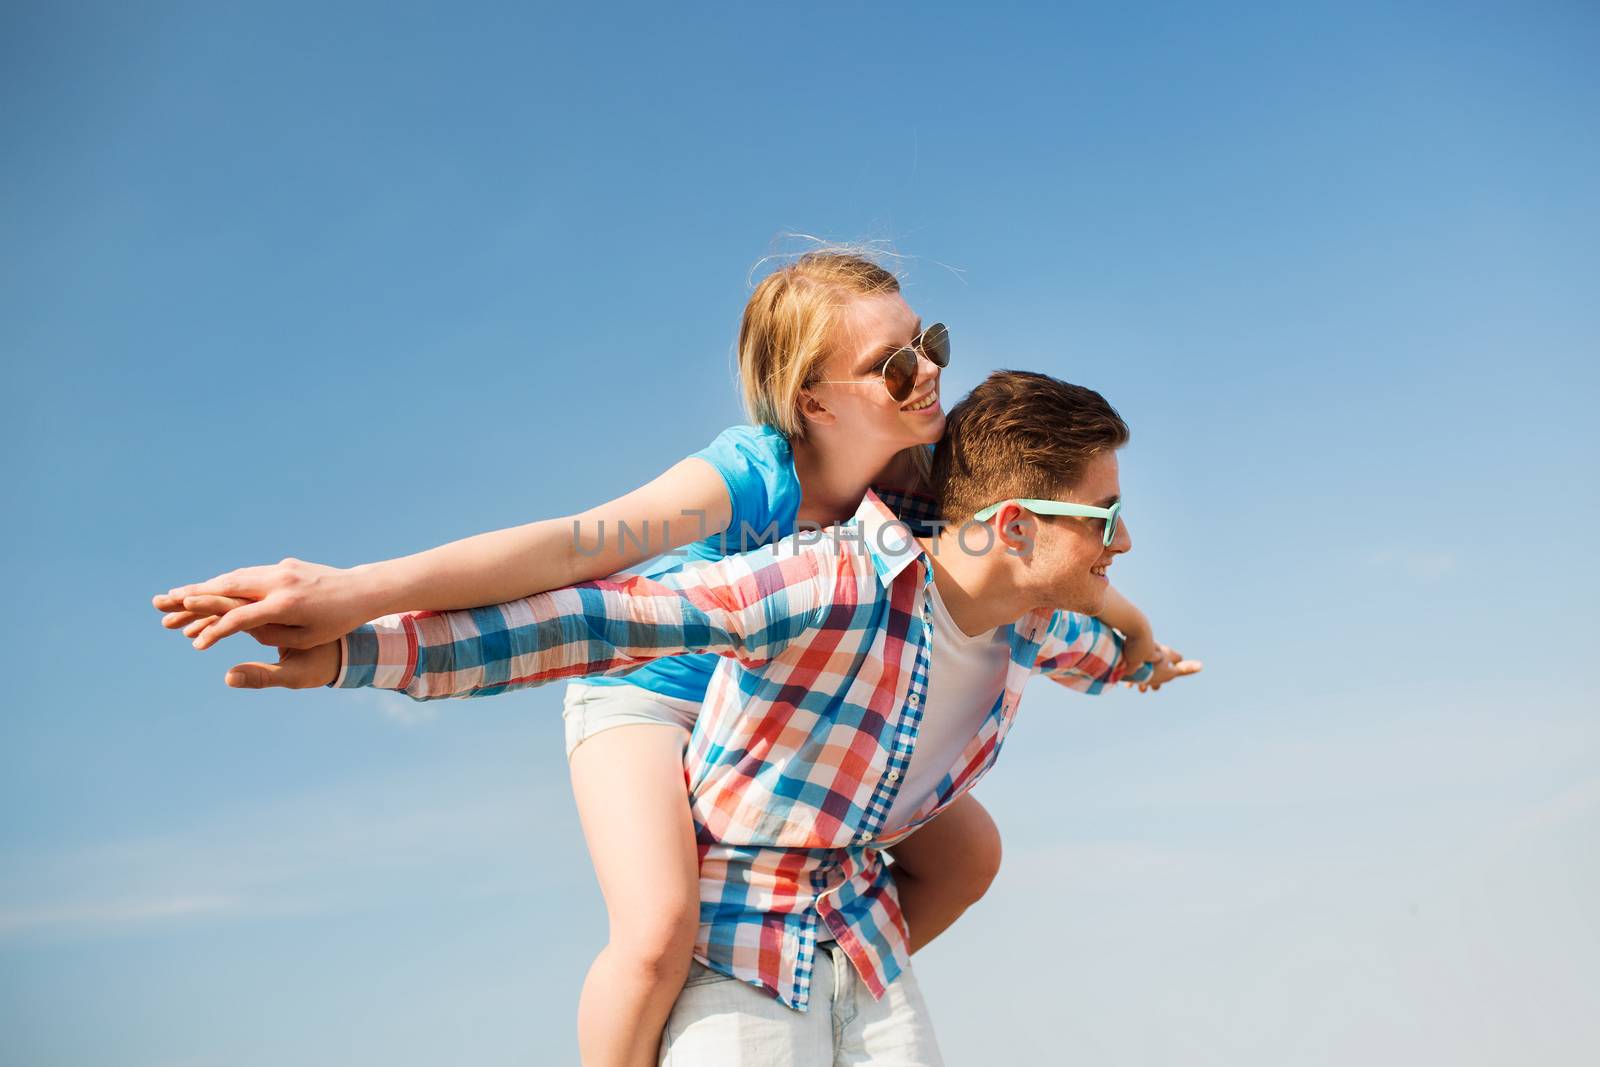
<point>757,463</point>
<point>744,449</point>
<point>752,439</point>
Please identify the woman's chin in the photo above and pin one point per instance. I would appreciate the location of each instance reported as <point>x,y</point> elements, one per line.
<point>931,428</point>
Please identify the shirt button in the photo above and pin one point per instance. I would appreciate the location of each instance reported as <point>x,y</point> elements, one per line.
<point>914,700</point>
<point>866,837</point>
<point>894,776</point>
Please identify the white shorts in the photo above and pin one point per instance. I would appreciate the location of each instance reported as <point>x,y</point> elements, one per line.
<point>589,709</point>
<point>722,1022</point>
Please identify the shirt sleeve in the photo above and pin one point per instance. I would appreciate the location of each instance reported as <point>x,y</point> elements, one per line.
<point>746,607</point>
<point>1083,653</point>
<point>756,467</point>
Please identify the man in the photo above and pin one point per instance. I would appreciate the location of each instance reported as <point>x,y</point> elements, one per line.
<point>871,678</point>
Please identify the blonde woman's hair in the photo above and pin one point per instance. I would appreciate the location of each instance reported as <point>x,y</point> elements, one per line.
<point>788,329</point>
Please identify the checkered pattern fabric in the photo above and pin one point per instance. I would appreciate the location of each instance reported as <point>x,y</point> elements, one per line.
<point>807,729</point>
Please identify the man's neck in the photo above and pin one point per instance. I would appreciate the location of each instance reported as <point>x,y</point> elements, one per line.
<point>977,588</point>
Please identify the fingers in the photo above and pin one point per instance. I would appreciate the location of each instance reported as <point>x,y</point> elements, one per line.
<point>213,604</point>
<point>294,670</point>
<point>279,636</point>
<point>291,675</point>
<point>244,618</point>
<point>196,628</point>
<point>1171,665</point>
<point>244,582</point>
<point>248,676</point>
<point>1178,670</point>
<point>275,635</point>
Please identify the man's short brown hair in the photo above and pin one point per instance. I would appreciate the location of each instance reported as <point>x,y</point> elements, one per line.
<point>1020,434</point>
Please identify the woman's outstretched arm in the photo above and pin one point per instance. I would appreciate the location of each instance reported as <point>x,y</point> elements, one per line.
<point>1120,612</point>
<point>748,607</point>
<point>299,605</point>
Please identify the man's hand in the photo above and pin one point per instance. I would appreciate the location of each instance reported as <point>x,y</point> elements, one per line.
<point>295,669</point>
<point>1169,664</point>
<point>292,604</point>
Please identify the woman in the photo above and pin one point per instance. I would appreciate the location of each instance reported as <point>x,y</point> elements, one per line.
<point>842,380</point>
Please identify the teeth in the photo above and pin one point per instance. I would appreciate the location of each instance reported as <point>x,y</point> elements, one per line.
<point>925,403</point>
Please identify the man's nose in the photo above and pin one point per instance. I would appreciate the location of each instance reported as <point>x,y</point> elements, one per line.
<point>1122,540</point>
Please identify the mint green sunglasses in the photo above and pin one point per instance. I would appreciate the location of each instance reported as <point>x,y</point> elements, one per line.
<point>1061,507</point>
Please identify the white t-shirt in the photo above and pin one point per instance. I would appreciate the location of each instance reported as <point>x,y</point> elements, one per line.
<point>965,677</point>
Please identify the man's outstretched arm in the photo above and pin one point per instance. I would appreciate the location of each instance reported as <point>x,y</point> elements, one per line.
<point>748,607</point>
<point>1081,652</point>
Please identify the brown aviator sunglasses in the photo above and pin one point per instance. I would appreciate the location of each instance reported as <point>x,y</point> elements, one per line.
<point>899,370</point>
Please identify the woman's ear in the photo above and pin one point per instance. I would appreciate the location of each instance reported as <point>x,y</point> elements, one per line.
<point>815,411</point>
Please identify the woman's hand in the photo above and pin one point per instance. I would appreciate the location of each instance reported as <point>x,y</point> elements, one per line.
<point>300,605</point>
<point>1139,645</point>
<point>292,604</point>
<point>1169,664</point>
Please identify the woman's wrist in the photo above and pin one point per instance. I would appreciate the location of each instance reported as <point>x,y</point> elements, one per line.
<point>374,590</point>
<point>1138,639</point>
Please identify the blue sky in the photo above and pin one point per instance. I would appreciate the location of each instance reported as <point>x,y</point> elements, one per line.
<point>346,283</point>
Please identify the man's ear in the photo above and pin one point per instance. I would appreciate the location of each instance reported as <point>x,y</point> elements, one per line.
<point>1016,529</point>
<point>814,410</point>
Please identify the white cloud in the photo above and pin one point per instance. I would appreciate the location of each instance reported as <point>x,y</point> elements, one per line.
<point>397,706</point>
<point>115,913</point>
<point>1573,804</point>
<point>475,830</point>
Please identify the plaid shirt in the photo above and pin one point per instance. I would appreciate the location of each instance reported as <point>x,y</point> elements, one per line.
<point>807,728</point>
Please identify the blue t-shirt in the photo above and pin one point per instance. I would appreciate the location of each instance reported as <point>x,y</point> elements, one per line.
<point>757,465</point>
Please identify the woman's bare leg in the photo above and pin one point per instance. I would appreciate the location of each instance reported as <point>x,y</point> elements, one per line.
<point>628,782</point>
<point>943,868</point>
